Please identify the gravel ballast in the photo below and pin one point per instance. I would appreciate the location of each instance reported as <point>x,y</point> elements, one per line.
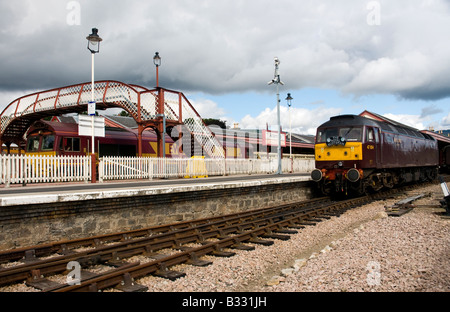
<point>363,250</point>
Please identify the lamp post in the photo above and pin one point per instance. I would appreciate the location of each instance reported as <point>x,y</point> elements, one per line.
<point>276,80</point>
<point>93,46</point>
<point>157,62</point>
<point>289,103</point>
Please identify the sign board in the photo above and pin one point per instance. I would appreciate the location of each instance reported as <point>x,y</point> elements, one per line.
<point>91,109</point>
<point>85,126</point>
<point>270,138</point>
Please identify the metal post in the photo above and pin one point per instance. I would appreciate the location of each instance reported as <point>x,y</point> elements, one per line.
<point>93,159</point>
<point>289,102</point>
<point>290,134</point>
<point>163,134</point>
<point>276,80</point>
<point>279,132</point>
<point>93,46</point>
<point>157,76</point>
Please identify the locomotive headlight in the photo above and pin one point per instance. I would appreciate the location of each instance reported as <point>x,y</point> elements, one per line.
<point>340,164</point>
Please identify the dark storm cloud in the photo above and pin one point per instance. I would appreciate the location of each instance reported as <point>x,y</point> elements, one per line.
<point>221,46</point>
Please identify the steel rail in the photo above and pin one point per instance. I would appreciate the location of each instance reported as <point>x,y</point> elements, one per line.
<point>44,250</point>
<point>116,277</point>
<point>171,238</point>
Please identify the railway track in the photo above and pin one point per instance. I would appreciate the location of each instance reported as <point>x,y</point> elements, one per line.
<point>213,236</point>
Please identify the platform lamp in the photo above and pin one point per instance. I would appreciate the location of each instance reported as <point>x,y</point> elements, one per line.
<point>93,46</point>
<point>157,62</point>
<point>289,99</point>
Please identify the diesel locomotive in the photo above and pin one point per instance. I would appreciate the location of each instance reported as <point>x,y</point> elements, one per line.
<point>357,155</point>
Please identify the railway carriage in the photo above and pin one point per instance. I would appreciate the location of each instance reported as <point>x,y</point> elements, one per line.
<point>56,138</point>
<point>355,154</point>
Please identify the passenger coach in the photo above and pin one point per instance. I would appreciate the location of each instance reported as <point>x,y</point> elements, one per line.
<point>56,138</point>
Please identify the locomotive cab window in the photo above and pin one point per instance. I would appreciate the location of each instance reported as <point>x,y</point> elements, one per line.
<point>323,134</point>
<point>33,144</point>
<point>352,134</point>
<point>48,142</point>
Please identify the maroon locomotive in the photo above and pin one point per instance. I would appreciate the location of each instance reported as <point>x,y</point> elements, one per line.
<point>355,154</point>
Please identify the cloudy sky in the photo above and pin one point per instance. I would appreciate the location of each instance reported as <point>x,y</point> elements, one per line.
<point>337,57</point>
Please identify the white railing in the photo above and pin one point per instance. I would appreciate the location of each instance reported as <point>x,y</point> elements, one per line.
<point>114,168</point>
<point>33,169</point>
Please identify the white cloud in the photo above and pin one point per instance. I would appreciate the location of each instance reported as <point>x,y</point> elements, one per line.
<point>446,121</point>
<point>221,46</point>
<point>303,121</point>
<point>414,121</point>
<point>208,109</point>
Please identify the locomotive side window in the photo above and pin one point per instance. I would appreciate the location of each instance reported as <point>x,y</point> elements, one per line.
<point>71,144</point>
<point>33,144</point>
<point>370,135</point>
<point>48,142</point>
<point>76,144</point>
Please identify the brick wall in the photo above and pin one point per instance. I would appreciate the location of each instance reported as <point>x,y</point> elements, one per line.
<point>42,223</point>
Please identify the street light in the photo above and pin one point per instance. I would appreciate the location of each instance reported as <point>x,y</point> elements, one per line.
<point>289,103</point>
<point>93,46</point>
<point>276,80</point>
<point>157,62</point>
<point>94,41</point>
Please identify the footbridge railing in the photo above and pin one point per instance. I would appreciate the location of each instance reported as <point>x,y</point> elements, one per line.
<point>141,103</point>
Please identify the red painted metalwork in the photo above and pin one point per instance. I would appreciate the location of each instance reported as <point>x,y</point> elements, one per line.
<point>56,98</point>
<point>15,119</point>
<point>34,106</point>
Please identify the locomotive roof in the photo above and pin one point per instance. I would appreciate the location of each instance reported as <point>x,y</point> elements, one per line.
<point>349,120</point>
<point>386,125</point>
<point>72,129</point>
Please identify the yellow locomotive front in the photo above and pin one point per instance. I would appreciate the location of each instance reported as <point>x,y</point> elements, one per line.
<point>338,156</point>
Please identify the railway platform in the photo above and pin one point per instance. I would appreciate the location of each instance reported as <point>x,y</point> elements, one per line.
<point>38,214</point>
<point>65,192</point>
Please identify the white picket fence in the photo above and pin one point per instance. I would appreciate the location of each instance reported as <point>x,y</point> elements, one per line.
<point>116,168</point>
<point>35,169</point>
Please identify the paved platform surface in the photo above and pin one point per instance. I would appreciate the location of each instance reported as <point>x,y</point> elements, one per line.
<point>62,192</point>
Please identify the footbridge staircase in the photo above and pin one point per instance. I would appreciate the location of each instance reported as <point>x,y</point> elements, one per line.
<point>147,106</point>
